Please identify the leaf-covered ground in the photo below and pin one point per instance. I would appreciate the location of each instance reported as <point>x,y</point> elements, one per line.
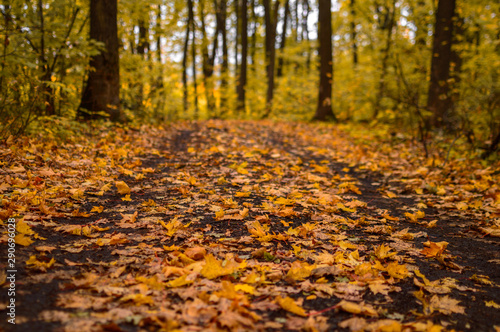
<point>248,226</point>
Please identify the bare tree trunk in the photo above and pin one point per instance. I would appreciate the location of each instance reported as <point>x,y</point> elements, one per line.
<point>439,101</point>
<point>254,35</point>
<point>244,53</point>
<point>283,39</point>
<point>225,57</point>
<point>207,61</point>
<point>49,107</point>
<point>102,92</point>
<point>305,31</point>
<point>386,53</point>
<point>324,111</point>
<point>193,56</point>
<point>353,34</point>
<point>271,16</point>
<point>184,66</point>
<point>236,4</point>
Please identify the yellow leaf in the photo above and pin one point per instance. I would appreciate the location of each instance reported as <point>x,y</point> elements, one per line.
<point>492,304</point>
<point>390,194</point>
<point>289,305</point>
<point>300,270</point>
<point>138,299</point>
<point>97,209</point>
<point>23,240</point>
<point>129,217</point>
<point>171,248</point>
<point>126,198</point>
<point>122,187</point>
<point>446,305</point>
<point>284,201</point>
<point>245,288</point>
<point>356,308</point>
<point>213,268</point>
<point>462,206</point>
<point>33,262</point>
<point>434,248</point>
<point>382,252</point>
<point>179,282</point>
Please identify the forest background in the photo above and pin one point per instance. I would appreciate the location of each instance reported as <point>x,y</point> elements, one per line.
<point>420,67</point>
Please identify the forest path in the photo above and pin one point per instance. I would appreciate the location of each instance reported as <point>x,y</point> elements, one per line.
<point>238,225</point>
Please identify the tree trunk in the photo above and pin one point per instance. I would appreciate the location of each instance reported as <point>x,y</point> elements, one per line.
<point>270,16</point>
<point>225,58</point>
<point>253,49</point>
<point>193,56</point>
<point>102,92</point>
<point>389,25</point>
<point>184,66</point>
<point>439,101</point>
<point>324,111</point>
<point>244,53</point>
<point>208,61</point>
<point>283,39</point>
<point>236,38</point>
<point>353,34</point>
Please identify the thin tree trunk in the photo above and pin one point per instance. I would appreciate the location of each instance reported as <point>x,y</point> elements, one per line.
<point>254,36</point>
<point>271,16</point>
<point>389,25</point>
<point>207,61</point>
<point>236,39</point>
<point>305,31</point>
<point>283,39</point>
<point>225,59</point>
<point>439,101</point>
<point>244,53</point>
<point>184,66</point>
<point>324,111</point>
<point>193,56</point>
<point>353,34</point>
<point>49,107</point>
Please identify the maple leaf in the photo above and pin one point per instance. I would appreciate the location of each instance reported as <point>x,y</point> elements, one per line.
<point>357,308</point>
<point>97,209</point>
<point>446,305</point>
<point>131,218</point>
<point>138,299</point>
<point>213,268</point>
<point>122,187</point>
<point>434,248</point>
<point>382,252</point>
<point>23,240</point>
<point>180,281</point>
<point>299,271</point>
<point>32,262</point>
<point>413,217</point>
<point>290,305</point>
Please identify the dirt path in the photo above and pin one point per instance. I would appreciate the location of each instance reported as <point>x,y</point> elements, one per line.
<point>250,226</point>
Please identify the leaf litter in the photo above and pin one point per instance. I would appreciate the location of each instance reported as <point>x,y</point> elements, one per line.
<point>234,225</point>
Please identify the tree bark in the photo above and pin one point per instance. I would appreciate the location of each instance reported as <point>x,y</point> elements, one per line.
<point>279,71</point>
<point>439,101</point>
<point>324,111</point>
<point>353,34</point>
<point>244,53</point>
<point>193,56</point>
<point>389,25</point>
<point>270,16</point>
<point>102,91</point>
<point>184,66</point>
